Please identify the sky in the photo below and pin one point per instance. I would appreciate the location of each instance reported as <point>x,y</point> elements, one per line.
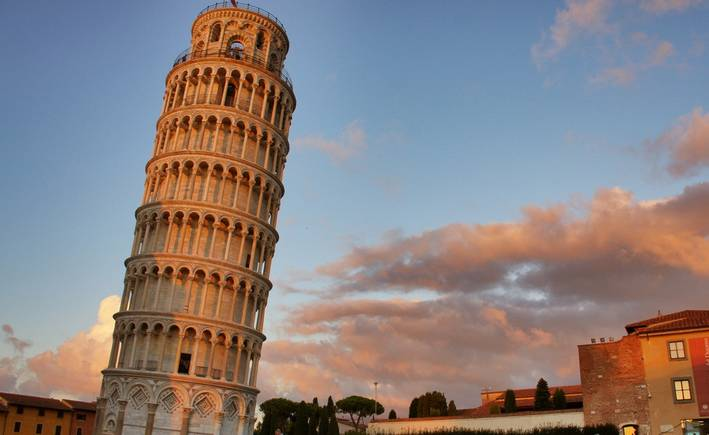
<point>473,188</point>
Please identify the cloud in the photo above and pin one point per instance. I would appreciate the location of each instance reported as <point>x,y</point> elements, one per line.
<point>73,369</point>
<point>684,146</point>
<point>499,299</point>
<point>664,6</point>
<point>17,344</point>
<point>625,75</point>
<point>577,18</point>
<point>351,143</point>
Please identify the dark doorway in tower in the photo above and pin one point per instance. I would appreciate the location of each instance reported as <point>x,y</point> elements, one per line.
<point>184,366</point>
<point>230,95</point>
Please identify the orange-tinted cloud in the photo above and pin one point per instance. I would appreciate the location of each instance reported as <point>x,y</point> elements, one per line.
<point>685,146</point>
<point>351,143</point>
<point>664,6</point>
<point>73,369</point>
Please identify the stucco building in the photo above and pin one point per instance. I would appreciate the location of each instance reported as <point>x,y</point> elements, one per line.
<point>655,380</point>
<point>30,415</point>
<point>188,336</point>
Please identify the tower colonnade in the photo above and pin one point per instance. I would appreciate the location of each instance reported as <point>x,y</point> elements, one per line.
<point>189,332</point>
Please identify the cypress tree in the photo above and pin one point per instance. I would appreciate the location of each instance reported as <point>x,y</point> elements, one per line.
<point>324,421</point>
<point>392,415</point>
<point>301,419</point>
<point>452,409</point>
<point>542,396</point>
<point>413,408</point>
<point>510,401</point>
<point>333,428</point>
<point>313,417</point>
<point>559,399</point>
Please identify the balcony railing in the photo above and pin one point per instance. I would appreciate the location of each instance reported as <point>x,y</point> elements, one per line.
<point>239,55</point>
<point>201,371</point>
<point>245,6</point>
<point>216,374</point>
<point>151,365</point>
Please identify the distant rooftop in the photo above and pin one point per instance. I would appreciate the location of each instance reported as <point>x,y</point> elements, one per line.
<point>34,402</point>
<point>687,319</point>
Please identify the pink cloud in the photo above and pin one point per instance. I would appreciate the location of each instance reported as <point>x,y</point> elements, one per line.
<point>684,146</point>
<point>664,6</point>
<point>350,144</point>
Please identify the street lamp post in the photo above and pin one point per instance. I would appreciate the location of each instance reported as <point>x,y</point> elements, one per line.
<point>374,416</point>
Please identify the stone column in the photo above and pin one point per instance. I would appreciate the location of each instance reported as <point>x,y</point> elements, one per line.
<point>186,416</point>
<point>100,413</point>
<point>218,418</point>
<point>121,416</point>
<point>152,407</point>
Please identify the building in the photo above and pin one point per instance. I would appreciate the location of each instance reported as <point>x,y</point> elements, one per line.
<point>30,415</point>
<point>188,335</point>
<point>524,399</point>
<point>83,417</point>
<point>655,380</point>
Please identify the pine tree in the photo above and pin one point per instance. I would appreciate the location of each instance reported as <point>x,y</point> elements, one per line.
<point>392,415</point>
<point>413,408</point>
<point>510,401</point>
<point>452,409</point>
<point>559,399</point>
<point>267,425</point>
<point>542,396</point>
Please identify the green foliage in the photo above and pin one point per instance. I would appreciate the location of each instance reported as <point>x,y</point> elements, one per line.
<point>413,408</point>
<point>559,399</point>
<point>495,409</point>
<point>606,429</point>
<point>301,419</point>
<point>281,412</point>
<point>510,401</point>
<point>324,421</point>
<point>358,408</point>
<point>431,404</point>
<point>452,409</point>
<point>267,425</point>
<point>392,415</point>
<point>332,427</point>
<point>313,417</point>
<point>542,396</point>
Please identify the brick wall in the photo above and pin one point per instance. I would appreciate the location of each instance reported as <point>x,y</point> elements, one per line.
<point>613,383</point>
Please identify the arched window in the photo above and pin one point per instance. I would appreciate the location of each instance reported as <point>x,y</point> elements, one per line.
<point>216,33</point>
<point>259,40</point>
<point>629,429</point>
<point>236,49</point>
<point>78,431</point>
<point>273,62</point>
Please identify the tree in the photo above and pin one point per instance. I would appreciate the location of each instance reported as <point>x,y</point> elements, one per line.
<point>413,408</point>
<point>301,419</point>
<point>559,399</point>
<point>281,412</point>
<point>392,415</point>
<point>452,409</point>
<point>358,408</point>
<point>267,425</point>
<point>332,427</point>
<point>510,401</point>
<point>432,404</point>
<point>542,396</point>
<point>494,409</point>
<point>313,417</point>
<point>324,421</point>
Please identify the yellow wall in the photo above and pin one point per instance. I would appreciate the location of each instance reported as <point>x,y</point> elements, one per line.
<point>665,414</point>
<point>30,418</point>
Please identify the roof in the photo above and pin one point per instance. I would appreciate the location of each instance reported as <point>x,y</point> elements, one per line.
<point>81,406</point>
<point>524,398</point>
<point>687,319</point>
<point>3,408</point>
<point>34,402</point>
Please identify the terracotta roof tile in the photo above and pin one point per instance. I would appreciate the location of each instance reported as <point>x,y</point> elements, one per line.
<point>81,406</point>
<point>34,402</point>
<point>687,319</point>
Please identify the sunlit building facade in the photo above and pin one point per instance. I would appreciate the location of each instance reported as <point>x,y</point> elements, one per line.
<point>189,332</point>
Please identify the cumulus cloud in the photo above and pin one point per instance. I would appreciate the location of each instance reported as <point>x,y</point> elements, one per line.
<point>664,6</point>
<point>351,143</point>
<point>73,369</point>
<point>501,297</point>
<point>577,18</point>
<point>684,147</point>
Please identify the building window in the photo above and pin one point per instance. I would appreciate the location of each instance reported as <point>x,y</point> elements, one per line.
<point>60,414</point>
<point>58,430</point>
<point>682,388</point>
<point>78,431</point>
<point>38,429</point>
<point>216,33</point>
<point>40,412</point>
<point>184,366</point>
<point>630,429</point>
<point>18,426</point>
<point>676,349</point>
<point>20,410</point>
<point>81,417</point>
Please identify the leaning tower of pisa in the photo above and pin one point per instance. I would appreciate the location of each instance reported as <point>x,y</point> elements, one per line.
<point>188,335</point>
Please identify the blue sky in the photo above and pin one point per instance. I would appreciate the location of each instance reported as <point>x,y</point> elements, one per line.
<point>457,122</point>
